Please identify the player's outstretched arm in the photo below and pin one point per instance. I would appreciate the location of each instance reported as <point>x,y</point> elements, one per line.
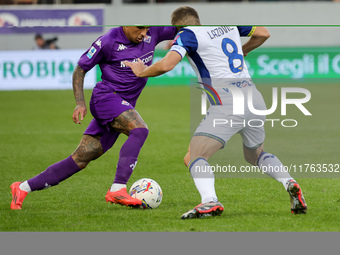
<point>78,85</point>
<point>166,64</point>
<point>260,35</point>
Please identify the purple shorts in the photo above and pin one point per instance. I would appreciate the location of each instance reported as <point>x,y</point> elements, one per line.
<point>108,137</point>
<point>105,106</point>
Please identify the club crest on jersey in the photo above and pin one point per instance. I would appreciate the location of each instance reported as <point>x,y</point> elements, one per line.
<point>91,52</point>
<point>125,102</point>
<point>147,39</point>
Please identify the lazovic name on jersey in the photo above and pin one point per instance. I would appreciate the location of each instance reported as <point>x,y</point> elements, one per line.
<point>219,31</point>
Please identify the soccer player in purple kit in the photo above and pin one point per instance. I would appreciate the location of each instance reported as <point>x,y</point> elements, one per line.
<point>112,105</point>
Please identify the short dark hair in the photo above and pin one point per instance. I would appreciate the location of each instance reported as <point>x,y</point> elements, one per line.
<point>38,36</point>
<point>185,15</point>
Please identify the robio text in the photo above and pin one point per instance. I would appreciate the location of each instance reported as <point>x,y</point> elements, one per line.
<point>27,68</point>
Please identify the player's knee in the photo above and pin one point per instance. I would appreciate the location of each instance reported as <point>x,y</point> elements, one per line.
<point>133,125</point>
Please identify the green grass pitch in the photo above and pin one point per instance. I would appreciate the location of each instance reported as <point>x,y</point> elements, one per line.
<point>37,130</point>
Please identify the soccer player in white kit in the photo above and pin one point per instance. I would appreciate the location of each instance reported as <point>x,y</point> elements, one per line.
<point>217,57</point>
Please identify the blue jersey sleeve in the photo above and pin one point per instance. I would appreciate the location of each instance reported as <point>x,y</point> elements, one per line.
<point>186,39</point>
<point>246,30</point>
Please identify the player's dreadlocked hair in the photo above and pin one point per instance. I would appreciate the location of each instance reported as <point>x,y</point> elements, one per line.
<point>185,16</point>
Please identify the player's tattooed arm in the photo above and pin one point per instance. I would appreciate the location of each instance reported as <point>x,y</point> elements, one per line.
<point>78,84</point>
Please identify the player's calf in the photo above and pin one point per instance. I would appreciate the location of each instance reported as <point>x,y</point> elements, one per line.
<point>89,149</point>
<point>52,176</point>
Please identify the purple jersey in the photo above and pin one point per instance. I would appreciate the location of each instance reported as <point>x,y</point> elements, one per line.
<point>112,48</point>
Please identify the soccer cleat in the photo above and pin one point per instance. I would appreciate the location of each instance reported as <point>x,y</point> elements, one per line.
<point>18,196</point>
<point>123,198</point>
<point>204,210</point>
<point>297,201</point>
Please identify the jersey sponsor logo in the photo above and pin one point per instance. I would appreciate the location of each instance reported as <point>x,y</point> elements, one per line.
<point>146,58</point>
<point>99,43</point>
<point>121,47</point>
<point>240,84</point>
<point>91,52</point>
<point>147,39</point>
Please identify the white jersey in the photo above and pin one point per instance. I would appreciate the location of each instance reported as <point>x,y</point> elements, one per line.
<point>216,55</point>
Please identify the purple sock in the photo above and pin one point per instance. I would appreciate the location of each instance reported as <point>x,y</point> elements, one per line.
<point>54,174</point>
<point>129,153</point>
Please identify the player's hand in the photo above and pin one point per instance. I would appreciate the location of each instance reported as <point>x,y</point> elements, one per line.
<point>79,110</point>
<point>136,67</point>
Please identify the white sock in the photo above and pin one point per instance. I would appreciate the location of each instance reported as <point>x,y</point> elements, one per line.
<point>117,186</point>
<point>25,187</point>
<point>272,166</point>
<point>204,179</point>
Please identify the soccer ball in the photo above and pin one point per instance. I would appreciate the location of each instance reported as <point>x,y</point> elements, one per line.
<point>148,191</point>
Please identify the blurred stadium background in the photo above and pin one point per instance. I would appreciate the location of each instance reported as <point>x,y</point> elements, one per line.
<point>21,20</point>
